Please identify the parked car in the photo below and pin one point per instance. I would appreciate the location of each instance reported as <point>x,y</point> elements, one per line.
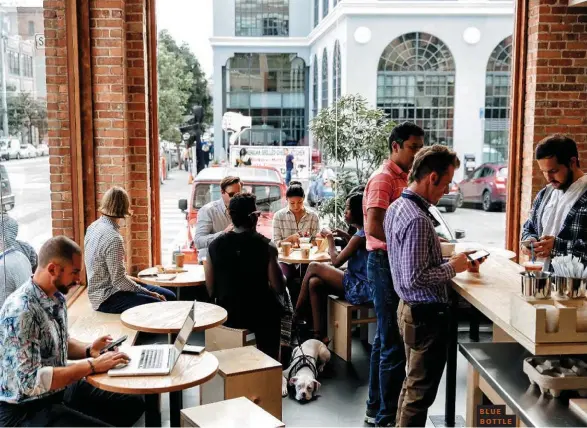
<point>265,182</point>
<point>485,185</point>
<point>11,148</point>
<point>443,229</point>
<point>323,184</point>
<point>450,201</point>
<point>43,150</point>
<point>26,151</point>
<point>7,196</point>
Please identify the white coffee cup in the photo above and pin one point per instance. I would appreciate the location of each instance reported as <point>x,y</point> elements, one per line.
<point>448,249</point>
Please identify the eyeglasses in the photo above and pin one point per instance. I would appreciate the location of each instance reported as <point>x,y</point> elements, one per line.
<point>254,214</point>
<point>231,194</point>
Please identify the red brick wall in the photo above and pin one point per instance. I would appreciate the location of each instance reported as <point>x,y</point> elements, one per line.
<point>556,84</point>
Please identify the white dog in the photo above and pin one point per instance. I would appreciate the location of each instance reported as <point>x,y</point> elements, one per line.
<point>306,362</point>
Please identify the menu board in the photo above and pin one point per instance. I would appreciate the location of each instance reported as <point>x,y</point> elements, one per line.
<point>275,156</point>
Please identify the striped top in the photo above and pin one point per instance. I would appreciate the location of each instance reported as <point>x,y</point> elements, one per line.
<point>284,224</point>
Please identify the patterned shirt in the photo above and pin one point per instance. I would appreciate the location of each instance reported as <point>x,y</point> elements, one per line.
<point>104,258</point>
<point>33,340</point>
<point>284,224</point>
<point>15,270</point>
<point>384,186</point>
<point>418,271</point>
<point>213,218</point>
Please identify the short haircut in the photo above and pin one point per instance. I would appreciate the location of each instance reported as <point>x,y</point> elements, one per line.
<point>558,146</point>
<point>436,158</point>
<point>295,189</point>
<point>240,208</point>
<point>403,132</point>
<point>355,201</point>
<point>58,248</point>
<point>229,181</point>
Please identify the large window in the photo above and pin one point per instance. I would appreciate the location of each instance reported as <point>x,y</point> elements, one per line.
<point>315,67</point>
<point>325,6</point>
<point>257,18</point>
<point>416,81</point>
<point>271,89</point>
<point>325,78</point>
<point>316,12</point>
<point>336,70</point>
<point>497,103</point>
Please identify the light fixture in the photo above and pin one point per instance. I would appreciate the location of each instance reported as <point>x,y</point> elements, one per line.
<point>472,35</point>
<point>362,35</point>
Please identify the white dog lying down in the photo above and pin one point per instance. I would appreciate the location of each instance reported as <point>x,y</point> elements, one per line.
<point>306,362</point>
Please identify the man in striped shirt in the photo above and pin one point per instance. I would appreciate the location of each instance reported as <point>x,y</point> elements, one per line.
<point>421,279</point>
<point>387,355</point>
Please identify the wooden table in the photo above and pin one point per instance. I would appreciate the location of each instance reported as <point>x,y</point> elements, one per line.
<point>295,256</point>
<point>168,317</point>
<point>189,371</point>
<point>194,277</point>
<point>494,251</point>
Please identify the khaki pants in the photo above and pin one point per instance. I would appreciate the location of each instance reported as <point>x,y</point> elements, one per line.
<point>425,339</point>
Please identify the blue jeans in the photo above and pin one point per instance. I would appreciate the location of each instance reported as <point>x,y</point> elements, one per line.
<point>388,358</point>
<point>287,177</point>
<point>123,300</point>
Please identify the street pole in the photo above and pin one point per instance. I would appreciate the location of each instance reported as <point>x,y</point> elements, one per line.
<point>3,65</point>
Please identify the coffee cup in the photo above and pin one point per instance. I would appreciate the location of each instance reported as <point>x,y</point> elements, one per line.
<point>304,241</point>
<point>286,246</point>
<point>447,248</point>
<point>179,260</point>
<point>319,241</point>
<point>305,250</point>
<point>531,266</point>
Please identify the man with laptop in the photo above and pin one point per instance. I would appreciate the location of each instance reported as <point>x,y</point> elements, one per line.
<point>37,385</point>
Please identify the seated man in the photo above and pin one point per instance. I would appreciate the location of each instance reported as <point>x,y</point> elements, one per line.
<point>37,386</point>
<point>15,268</point>
<point>244,276</point>
<point>213,218</point>
<point>109,289</point>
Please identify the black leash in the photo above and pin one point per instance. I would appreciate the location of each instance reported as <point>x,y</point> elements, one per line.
<point>301,361</point>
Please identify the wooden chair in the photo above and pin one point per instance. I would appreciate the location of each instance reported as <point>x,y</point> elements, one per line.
<point>340,323</point>
<point>221,337</point>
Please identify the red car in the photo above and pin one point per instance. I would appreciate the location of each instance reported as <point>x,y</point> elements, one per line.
<point>486,185</point>
<point>264,181</point>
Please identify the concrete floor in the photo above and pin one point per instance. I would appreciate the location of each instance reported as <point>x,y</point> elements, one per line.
<point>344,390</point>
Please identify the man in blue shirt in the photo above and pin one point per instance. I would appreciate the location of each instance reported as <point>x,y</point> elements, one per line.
<point>289,166</point>
<point>37,386</point>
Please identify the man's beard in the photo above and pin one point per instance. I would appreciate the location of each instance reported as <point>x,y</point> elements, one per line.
<point>63,289</point>
<point>568,182</point>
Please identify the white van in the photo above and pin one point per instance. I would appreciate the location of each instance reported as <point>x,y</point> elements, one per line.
<point>10,148</point>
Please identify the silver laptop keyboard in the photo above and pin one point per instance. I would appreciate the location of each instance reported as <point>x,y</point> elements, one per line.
<point>151,359</point>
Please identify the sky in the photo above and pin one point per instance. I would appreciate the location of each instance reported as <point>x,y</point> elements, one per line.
<point>189,21</point>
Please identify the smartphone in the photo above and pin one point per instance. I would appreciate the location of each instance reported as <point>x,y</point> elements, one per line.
<point>478,255</point>
<point>113,345</point>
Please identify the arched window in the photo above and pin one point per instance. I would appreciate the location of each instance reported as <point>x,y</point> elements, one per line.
<point>336,70</point>
<point>497,103</point>
<point>315,88</point>
<point>316,12</point>
<point>325,78</point>
<point>325,6</point>
<point>416,82</point>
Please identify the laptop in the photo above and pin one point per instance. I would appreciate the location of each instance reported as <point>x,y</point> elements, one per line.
<point>153,360</point>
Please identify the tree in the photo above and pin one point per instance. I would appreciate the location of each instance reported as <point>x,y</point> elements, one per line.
<point>350,131</point>
<point>198,91</point>
<point>24,111</point>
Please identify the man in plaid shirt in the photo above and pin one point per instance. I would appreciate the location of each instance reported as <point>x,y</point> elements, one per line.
<point>387,355</point>
<point>558,220</point>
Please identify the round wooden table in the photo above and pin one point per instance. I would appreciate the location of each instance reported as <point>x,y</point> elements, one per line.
<point>194,277</point>
<point>168,317</point>
<point>189,371</point>
<point>295,257</point>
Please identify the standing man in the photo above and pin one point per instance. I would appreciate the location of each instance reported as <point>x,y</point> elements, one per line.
<point>385,185</point>
<point>558,220</point>
<point>420,278</point>
<point>15,267</point>
<point>37,385</point>
<point>289,166</point>
<point>213,218</point>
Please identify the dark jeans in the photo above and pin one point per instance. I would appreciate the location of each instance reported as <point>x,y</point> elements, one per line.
<point>79,405</point>
<point>387,370</point>
<point>426,339</point>
<point>287,177</point>
<point>123,300</point>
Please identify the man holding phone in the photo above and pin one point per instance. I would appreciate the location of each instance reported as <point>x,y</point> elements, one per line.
<point>558,221</point>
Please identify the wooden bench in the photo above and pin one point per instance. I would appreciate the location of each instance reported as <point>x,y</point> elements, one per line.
<point>221,337</point>
<point>340,323</point>
<point>245,372</point>
<point>87,325</point>
<point>237,412</point>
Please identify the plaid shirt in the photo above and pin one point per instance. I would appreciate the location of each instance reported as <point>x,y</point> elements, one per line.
<point>284,224</point>
<point>384,186</point>
<point>418,271</point>
<point>572,238</point>
<point>104,259</point>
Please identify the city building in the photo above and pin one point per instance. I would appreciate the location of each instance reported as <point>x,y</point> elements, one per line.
<point>444,64</point>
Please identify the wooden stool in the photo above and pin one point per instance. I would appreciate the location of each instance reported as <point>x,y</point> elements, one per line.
<point>340,322</point>
<point>221,337</point>
<point>245,372</point>
<point>236,413</point>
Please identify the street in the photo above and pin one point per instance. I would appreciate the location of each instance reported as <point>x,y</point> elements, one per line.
<point>29,179</point>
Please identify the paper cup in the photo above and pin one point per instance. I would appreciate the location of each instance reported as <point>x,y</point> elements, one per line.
<point>305,250</point>
<point>304,241</point>
<point>179,260</point>
<point>319,241</point>
<point>448,249</point>
<point>286,246</point>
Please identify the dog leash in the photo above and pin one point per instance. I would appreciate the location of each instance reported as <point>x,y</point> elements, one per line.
<point>301,361</point>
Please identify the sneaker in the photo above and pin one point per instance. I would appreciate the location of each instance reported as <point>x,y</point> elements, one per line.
<point>370,416</point>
